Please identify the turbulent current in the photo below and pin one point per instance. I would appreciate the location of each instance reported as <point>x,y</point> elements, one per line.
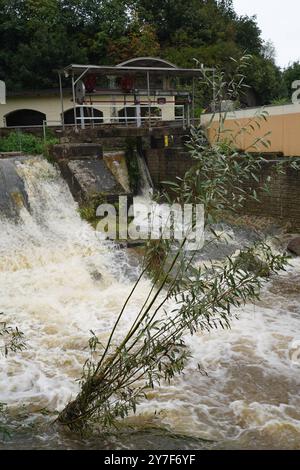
<point>58,282</point>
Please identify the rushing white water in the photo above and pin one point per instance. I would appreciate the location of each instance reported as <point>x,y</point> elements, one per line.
<point>58,281</point>
<point>145,179</point>
<point>250,397</point>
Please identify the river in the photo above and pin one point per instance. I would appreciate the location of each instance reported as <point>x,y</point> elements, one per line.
<point>58,282</point>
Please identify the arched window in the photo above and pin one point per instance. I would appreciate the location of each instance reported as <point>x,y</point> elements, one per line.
<point>95,116</point>
<point>128,115</point>
<point>25,117</point>
<point>155,113</point>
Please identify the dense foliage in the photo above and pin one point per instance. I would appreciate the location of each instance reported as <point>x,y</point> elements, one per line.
<point>38,36</point>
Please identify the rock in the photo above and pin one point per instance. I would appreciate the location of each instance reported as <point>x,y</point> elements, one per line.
<point>96,275</point>
<point>116,163</point>
<point>294,246</point>
<point>135,243</point>
<point>89,179</point>
<point>253,264</point>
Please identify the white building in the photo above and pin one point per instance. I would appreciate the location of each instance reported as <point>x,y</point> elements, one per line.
<point>138,92</point>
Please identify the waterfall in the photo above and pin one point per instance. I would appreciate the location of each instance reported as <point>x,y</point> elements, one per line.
<point>58,281</point>
<point>146,185</point>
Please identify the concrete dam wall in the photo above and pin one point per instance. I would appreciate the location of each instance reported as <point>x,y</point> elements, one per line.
<point>94,164</point>
<point>90,172</point>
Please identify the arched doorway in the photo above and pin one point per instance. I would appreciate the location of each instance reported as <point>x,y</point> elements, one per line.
<point>95,116</point>
<point>25,117</point>
<point>127,115</point>
<point>155,114</point>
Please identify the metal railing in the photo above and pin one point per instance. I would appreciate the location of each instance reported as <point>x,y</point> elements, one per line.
<point>113,116</point>
<point>138,118</point>
<point>46,123</point>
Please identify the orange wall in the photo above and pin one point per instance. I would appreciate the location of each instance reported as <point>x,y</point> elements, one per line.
<point>284,132</point>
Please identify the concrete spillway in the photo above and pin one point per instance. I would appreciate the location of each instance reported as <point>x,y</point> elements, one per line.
<point>91,172</point>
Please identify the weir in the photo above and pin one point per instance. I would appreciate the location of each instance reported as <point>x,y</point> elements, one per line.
<point>96,162</point>
<point>58,282</point>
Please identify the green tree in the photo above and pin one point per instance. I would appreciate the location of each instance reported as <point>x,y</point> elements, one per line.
<point>97,24</point>
<point>137,43</point>
<point>268,51</point>
<point>248,34</point>
<point>265,80</point>
<point>290,74</point>
<point>202,21</point>
<point>38,36</point>
<point>34,41</point>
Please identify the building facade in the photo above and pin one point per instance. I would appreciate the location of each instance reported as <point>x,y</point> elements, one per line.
<point>139,91</point>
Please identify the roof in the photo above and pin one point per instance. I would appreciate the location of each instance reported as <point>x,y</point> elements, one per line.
<point>160,67</point>
<point>142,62</point>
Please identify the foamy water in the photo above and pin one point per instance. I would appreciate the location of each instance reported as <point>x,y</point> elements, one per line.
<point>250,397</point>
<point>58,281</point>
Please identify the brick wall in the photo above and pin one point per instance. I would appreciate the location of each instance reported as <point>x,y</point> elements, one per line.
<point>167,164</point>
<point>281,203</point>
<point>283,199</point>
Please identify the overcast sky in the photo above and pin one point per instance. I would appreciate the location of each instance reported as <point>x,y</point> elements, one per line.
<point>279,21</point>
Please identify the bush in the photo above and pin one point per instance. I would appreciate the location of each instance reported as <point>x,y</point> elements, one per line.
<point>26,143</point>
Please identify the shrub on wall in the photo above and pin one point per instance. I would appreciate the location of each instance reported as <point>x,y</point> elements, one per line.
<point>26,143</point>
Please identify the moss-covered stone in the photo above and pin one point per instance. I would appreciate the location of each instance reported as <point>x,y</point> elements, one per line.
<point>253,264</point>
